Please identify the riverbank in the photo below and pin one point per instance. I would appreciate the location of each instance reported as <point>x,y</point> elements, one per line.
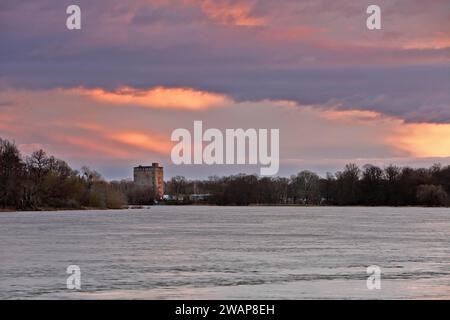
<point>55,209</point>
<point>142,207</point>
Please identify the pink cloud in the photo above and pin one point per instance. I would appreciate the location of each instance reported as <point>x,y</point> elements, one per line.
<point>86,130</point>
<point>157,97</point>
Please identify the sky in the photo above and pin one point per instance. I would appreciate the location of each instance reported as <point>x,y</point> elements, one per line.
<point>109,95</point>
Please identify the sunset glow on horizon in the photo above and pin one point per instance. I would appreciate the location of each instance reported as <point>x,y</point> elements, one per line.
<point>109,95</point>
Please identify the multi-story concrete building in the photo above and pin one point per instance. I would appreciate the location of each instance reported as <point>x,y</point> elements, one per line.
<point>151,176</point>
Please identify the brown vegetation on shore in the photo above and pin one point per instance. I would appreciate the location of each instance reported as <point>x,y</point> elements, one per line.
<point>42,182</point>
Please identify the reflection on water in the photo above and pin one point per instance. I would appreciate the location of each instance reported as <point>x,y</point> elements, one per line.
<point>226,253</point>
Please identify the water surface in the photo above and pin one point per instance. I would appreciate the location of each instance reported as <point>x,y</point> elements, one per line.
<point>169,252</point>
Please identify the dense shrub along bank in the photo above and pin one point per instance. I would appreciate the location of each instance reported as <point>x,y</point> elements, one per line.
<point>43,182</point>
<point>40,181</point>
<point>367,186</point>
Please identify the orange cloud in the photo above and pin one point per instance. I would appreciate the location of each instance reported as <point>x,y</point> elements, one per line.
<point>148,141</point>
<point>93,145</point>
<point>417,139</point>
<point>229,13</point>
<point>424,139</point>
<point>86,129</point>
<point>158,97</point>
<point>351,116</point>
<point>440,40</point>
<point>155,143</point>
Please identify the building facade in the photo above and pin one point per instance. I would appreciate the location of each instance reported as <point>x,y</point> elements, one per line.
<point>150,176</point>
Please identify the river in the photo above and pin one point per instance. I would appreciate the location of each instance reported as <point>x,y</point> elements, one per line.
<point>194,252</point>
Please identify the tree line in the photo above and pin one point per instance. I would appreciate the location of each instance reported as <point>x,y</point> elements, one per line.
<point>40,181</point>
<point>353,186</point>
